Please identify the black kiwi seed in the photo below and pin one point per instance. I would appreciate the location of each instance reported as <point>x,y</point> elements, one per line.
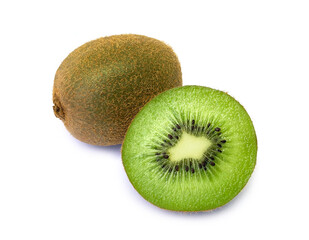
<point>170,136</point>
<point>208,125</point>
<point>176,168</point>
<point>157,153</point>
<point>187,168</point>
<point>200,165</point>
<point>178,126</point>
<point>220,151</point>
<point>166,156</point>
<point>176,137</point>
<point>192,128</point>
<point>212,164</point>
<point>193,121</point>
<point>204,163</point>
<point>223,141</point>
<point>219,145</point>
<point>192,170</point>
<point>217,129</point>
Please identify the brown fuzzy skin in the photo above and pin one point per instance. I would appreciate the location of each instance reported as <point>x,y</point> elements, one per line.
<point>101,86</point>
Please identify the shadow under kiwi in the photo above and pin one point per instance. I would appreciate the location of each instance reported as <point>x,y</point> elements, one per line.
<point>114,150</point>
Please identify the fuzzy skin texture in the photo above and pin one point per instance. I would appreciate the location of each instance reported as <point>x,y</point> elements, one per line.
<point>101,86</point>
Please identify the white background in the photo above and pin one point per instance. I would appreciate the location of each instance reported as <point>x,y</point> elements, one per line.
<point>54,187</point>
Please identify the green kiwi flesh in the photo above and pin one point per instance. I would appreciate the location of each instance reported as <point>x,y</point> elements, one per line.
<point>191,148</point>
<point>101,86</point>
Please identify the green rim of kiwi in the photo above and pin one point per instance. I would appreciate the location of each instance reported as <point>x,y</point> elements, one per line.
<point>191,148</point>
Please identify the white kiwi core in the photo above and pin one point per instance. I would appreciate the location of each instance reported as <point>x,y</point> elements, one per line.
<point>189,146</point>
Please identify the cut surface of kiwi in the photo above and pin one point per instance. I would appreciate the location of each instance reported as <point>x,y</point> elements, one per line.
<point>191,148</point>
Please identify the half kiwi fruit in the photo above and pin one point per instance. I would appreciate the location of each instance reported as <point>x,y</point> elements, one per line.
<point>191,148</point>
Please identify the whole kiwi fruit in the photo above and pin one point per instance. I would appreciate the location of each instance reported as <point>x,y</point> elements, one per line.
<point>101,86</point>
<point>190,148</point>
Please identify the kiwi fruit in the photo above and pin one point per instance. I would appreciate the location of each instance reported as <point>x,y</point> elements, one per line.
<point>101,86</point>
<point>190,148</point>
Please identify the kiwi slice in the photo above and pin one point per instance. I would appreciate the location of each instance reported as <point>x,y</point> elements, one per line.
<point>191,148</point>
